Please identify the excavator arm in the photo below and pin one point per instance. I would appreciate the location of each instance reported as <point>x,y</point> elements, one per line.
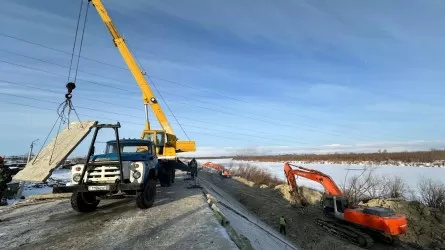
<point>224,172</point>
<point>325,180</point>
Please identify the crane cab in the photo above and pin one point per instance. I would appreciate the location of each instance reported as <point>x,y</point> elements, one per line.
<point>165,143</point>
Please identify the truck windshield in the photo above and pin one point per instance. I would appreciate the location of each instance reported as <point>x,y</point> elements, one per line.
<point>129,148</point>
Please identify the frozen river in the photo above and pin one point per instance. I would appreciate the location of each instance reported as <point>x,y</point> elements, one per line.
<point>411,175</point>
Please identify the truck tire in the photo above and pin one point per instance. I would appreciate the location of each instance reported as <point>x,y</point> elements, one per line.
<point>147,197</point>
<point>165,178</point>
<point>84,202</point>
<point>173,175</point>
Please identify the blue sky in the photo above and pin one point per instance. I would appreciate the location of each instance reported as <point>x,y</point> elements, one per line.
<point>242,77</point>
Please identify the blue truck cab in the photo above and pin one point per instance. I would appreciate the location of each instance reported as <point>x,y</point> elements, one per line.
<point>127,167</point>
<point>139,163</point>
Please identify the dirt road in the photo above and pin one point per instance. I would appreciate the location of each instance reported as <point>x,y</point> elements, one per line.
<point>180,219</point>
<point>261,236</point>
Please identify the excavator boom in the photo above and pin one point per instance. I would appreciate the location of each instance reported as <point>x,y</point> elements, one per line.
<point>224,172</point>
<point>325,180</point>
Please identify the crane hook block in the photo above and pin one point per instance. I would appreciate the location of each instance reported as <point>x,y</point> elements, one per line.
<point>70,86</point>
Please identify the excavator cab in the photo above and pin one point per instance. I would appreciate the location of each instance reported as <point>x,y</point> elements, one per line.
<point>334,206</point>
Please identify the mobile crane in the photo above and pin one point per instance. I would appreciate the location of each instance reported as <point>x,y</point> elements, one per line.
<point>167,144</point>
<point>342,219</point>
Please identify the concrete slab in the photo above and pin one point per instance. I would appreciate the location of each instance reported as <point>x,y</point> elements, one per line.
<point>40,168</point>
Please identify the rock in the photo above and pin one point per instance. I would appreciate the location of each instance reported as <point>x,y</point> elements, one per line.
<point>264,186</point>
<point>424,240</point>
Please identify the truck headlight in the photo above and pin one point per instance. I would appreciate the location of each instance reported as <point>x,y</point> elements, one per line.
<point>134,164</point>
<point>136,174</point>
<point>76,177</point>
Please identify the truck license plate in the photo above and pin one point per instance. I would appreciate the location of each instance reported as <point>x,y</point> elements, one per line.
<point>98,188</point>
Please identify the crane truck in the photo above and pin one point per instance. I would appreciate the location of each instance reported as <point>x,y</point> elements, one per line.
<point>128,166</point>
<point>166,141</point>
<point>355,224</point>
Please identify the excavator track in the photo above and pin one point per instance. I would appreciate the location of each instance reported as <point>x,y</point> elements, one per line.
<point>349,233</point>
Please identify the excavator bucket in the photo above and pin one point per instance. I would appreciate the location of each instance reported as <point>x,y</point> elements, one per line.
<point>39,168</point>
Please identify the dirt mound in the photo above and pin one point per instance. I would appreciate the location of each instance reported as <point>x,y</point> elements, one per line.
<point>312,196</point>
<point>426,226</point>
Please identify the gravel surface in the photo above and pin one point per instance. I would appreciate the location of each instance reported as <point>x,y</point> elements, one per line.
<point>180,219</point>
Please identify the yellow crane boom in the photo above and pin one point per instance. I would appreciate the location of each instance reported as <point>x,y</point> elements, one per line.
<point>165,140</point>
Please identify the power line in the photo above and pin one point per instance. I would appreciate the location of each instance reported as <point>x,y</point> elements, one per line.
<point>62,75</point>
<point>59,65</point>
<point>61,93</point>
<point>168,107</point>
<point>185,118</point>
<point>244,134</point>
<point>165,80</point>
<point>94,74</point>
<point>61,51</point>
<point>224,112</point>
<point>86,108</point>
<point>255,119</point>
<point>31,98</point>
<point>194,105</point>
<point>173,82</point>
<point>174,94</point>
<point>197,132</point>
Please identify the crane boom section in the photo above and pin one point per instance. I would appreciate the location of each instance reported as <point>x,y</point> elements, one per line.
<point>311,174</point>
<point>147,93</point>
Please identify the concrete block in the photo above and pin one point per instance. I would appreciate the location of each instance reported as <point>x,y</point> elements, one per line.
<point>56,152</point>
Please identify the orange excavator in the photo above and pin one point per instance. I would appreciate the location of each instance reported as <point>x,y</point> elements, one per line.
<point>223,172</point>
<point>356,224</point>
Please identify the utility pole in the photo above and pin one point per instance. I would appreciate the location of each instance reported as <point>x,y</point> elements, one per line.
<point>22,183</point>
<point>30,150</point>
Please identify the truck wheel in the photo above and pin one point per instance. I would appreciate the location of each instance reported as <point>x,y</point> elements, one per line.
<point>147,197</point>
<point>165,178</point>
<point>84,202</point>
<point>173,174</point>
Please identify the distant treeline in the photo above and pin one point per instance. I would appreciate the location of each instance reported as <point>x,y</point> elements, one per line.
<point>405,157</point>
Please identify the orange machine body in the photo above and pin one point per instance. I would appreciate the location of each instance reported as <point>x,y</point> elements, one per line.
<point>373,218</point>
<point>391,225</point>
<point>224,172</point>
